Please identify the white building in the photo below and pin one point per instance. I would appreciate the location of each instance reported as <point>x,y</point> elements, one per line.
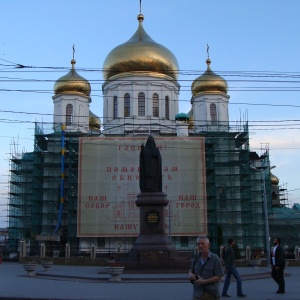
<point>140,97</point>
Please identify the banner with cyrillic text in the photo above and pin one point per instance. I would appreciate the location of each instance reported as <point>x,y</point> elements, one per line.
<point>108,184</point>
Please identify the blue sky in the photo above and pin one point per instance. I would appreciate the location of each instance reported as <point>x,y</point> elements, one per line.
<point>253,44</point>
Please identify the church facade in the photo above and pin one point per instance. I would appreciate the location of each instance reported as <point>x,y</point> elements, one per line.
<point>70,188</point>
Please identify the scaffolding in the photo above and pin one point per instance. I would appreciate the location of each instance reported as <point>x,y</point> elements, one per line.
<point>35,191</point>
<point>234,191</point>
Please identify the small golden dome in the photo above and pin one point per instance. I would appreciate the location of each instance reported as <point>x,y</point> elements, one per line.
<point>140,54</point>
<point>274,179</point>
<point>94,121</point>
<point>209,82</point>
<point>72,83</point>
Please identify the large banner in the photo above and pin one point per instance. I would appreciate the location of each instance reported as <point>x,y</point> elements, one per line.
<point>108,183</point>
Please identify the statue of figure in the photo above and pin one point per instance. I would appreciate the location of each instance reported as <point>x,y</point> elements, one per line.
<point>150,167</point>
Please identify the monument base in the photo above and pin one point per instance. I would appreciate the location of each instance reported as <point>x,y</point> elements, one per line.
<point>152,246</point>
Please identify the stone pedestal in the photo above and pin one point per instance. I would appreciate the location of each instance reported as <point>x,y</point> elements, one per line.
<point>152,246</point>
<point>115,273</point>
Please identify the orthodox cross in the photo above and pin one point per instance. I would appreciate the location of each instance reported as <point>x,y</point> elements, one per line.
<point>207,50</point>
<point>73,50</point>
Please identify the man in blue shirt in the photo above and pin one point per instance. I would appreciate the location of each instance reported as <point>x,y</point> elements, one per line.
<point>205,272</point>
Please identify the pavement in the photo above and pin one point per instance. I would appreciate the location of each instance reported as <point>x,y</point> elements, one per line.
<point>62,282</point>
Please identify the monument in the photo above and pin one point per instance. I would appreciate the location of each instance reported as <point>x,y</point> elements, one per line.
<point>152,247</point>
<point>150,167</point>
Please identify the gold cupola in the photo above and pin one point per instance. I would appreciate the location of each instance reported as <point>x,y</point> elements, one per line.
<point>140,54</point>
<point>209,82</point>
<point>94,121</point>
<point>72,83</point>
<point>274,179</point>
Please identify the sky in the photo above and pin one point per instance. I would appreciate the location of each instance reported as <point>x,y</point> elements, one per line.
<point>254,45</point>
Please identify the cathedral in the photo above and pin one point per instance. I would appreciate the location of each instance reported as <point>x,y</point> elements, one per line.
<point>79,184</point>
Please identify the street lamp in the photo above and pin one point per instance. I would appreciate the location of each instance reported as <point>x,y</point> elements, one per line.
<point>265,201</point>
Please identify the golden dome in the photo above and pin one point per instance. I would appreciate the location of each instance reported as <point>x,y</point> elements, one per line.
<point>209,82</point>
<point>94,121</point>
<point>72,83</point>
<point>140,54</point>
<point>274,179</point>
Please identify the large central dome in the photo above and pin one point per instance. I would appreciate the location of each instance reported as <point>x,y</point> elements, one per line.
<point>140,54</point>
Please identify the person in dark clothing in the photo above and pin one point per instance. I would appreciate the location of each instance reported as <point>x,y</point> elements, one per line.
<point>150,167</point>
<point>278,264</point>
<point>231,270</point>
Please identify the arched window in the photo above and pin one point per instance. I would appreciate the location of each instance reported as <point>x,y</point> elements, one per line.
<point>127,105</point>
<point>115,107</point>
<point>155,105</point>
<point>213,114</point>
<point>167,108</point>
<point>69,114</point>
<point>141,104</point>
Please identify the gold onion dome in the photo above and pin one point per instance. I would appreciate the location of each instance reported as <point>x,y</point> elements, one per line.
<point>94,121</point>
<point>140,54</point>
<point>209,82</point>
<point>274,179</point>
<point>72,83</point>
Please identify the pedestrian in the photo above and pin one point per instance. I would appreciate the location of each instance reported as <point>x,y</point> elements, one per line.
<point>230,269</point>
<point>278,264</point>
<point>205,272</point>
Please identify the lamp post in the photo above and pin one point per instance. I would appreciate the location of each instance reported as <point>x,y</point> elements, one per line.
<point>265,202</point>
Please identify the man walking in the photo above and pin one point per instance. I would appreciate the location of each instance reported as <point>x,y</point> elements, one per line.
<point>231,270</point>
<point>278,264</point>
